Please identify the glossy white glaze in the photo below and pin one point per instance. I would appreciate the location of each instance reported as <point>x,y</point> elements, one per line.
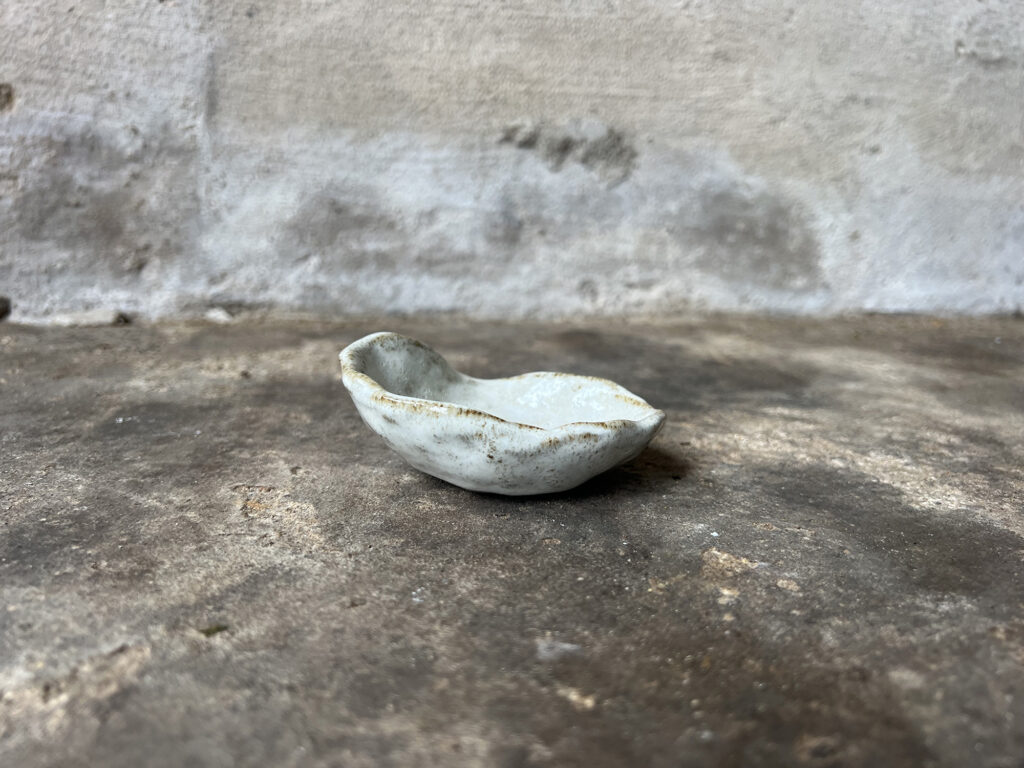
<point>535,433</point>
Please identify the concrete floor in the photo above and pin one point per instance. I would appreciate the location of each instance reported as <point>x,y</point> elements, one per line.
<point>207,560</point>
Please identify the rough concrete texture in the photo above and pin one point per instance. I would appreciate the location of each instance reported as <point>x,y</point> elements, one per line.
<point>512,159</point>
<point>207,560</point>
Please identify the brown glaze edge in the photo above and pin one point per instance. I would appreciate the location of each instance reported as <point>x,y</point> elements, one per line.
<point>422,405</point>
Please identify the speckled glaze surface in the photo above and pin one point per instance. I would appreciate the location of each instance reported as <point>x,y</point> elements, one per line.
<point>536,433</point>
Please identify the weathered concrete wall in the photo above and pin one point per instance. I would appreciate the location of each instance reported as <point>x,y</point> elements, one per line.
<point>512,159</point>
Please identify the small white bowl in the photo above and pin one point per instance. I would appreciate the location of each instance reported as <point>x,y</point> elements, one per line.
<point>535,433</point>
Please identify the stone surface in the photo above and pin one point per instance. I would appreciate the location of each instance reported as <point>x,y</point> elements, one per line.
<point>206,559</point>
<point>515,159</point>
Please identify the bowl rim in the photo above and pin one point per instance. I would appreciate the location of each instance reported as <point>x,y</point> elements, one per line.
<point>377,393</point>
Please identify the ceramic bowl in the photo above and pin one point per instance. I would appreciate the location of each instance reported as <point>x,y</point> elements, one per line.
<point>535,433</point>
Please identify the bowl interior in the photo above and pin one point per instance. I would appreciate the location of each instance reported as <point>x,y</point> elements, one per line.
<point>547,400</point>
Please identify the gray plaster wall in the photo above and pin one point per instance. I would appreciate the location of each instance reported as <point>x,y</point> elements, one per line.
<point>511,159</point>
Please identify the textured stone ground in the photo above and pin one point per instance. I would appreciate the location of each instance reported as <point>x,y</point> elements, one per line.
<point>206,559</point>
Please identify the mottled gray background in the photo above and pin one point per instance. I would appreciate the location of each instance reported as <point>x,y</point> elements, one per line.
<point>513,159</point>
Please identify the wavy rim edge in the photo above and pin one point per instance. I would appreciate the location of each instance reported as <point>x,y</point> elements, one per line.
<point>378,393</point>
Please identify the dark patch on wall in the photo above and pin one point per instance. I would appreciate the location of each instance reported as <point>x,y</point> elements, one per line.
<point>753,237</point>
<point>611,151</point>
<point>556,149</point>
<point>94,196</point>
<point>521,136</point>
<point>588,289</point>
<point>323,219</point>
<point>344,228</point>
<point>444,262</point>
<point>504,226</point>
<point>607,152</point>
<point>72,213</point>
<point>211,96</point>
<point>989,39</point>
<point>6,96</point>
